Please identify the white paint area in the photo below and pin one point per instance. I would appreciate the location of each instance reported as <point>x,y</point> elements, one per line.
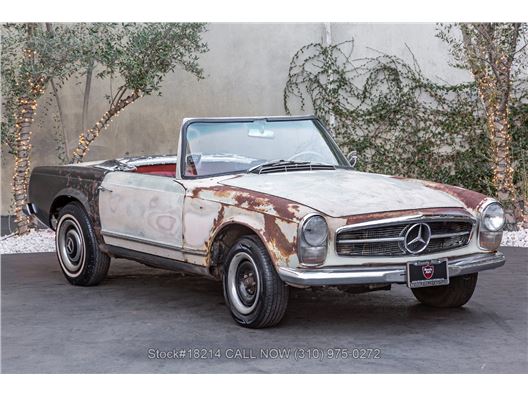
<point>341,193</point>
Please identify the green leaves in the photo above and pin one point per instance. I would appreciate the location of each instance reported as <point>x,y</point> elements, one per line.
<point>142,54</point>
<point>398,120</point>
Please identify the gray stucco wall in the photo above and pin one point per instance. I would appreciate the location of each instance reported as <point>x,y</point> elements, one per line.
<point>246,69</point>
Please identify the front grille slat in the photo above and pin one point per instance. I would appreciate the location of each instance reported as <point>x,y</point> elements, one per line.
<point>388,240</point>
<point>370,240</point>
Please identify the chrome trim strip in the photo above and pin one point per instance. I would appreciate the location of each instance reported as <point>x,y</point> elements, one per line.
<point>153,243</point>
<point>383,274</point>
<point>370,240</point>
<point>152,260</point>
<point>405,219</point>
<point>448,235</point>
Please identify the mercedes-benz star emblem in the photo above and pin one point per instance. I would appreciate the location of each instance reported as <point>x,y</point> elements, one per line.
<point>417,238</point>
<point>70,246</point>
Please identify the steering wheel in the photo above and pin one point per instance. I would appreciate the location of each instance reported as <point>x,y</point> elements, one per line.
<point>308,152</point>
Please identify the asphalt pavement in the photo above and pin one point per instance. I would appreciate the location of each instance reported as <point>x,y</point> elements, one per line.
<point>143,320</point>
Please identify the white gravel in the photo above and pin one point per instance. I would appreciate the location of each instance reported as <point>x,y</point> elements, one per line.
<point>35,241</point>
<point>44,241</point>
<point>515,238</point>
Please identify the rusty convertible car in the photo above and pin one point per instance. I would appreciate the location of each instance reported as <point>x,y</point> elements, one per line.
<point>264,204</point>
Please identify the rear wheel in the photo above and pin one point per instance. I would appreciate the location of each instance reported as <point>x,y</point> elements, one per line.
<point>254,293</point>
<point>80,258</point>
<point>456,294</point>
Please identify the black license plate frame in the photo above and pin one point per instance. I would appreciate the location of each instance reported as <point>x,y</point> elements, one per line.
<point>427,273</point>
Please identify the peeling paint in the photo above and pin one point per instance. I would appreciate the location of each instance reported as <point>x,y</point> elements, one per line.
<point>282,239</point>
<point>142,206</point>
<point>470,199</point>
<point>253,200</point>
<point>399,213</point>
<point>48,183</point>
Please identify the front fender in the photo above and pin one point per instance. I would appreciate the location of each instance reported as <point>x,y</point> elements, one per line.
<point>204,220</point>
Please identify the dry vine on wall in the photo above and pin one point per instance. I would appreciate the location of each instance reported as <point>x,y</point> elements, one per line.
<point>398,120</point>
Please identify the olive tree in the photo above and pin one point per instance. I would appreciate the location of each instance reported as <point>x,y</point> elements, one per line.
<point>31,56</point>
<point>491,52</point>
<point>140,55</point>
<point>40,57</point>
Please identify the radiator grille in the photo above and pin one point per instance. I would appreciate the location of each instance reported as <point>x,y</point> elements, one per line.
<point>388,240</point>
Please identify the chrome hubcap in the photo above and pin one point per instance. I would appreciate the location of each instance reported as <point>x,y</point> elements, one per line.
<point>243,283</point>
<point>70,244</point>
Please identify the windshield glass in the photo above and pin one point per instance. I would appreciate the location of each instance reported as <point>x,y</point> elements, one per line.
<point>213,148</point>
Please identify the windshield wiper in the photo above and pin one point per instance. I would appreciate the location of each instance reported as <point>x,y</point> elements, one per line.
<point>281,162</point>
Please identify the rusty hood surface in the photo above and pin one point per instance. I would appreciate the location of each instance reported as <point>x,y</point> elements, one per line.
<point>341,192</point>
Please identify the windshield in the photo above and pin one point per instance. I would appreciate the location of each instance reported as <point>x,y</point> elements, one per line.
<point>213,148</point>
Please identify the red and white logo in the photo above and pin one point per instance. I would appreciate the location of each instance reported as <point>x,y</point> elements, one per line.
<point>428,271</point>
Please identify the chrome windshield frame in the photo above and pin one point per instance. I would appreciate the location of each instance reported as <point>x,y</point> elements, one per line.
<point>327,136</point>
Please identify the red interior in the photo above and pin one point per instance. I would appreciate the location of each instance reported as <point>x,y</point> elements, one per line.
<point>168,170</point>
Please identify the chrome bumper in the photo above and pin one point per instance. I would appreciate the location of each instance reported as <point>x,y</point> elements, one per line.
<point>383,274</point>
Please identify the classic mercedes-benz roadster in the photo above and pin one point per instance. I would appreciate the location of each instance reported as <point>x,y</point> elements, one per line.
<point>264,204</point>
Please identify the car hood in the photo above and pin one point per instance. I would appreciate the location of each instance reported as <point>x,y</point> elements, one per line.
<point>341,192</point>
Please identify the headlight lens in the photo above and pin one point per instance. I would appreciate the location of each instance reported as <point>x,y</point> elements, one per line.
<point>313,240</point>
<point>493,217</point>
<point>315,231</point>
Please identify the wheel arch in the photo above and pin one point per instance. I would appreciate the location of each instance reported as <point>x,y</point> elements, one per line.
<point>224,238</point>
<point>63,198</point>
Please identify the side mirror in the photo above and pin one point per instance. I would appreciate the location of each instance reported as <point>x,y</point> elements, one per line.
<point>352,158</point>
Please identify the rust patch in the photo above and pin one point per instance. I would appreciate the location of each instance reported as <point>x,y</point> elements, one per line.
<point>87,181</point>
<point>253,200</point>
<point>470,198</point>
<point>219,219</point>
<point>361,218</point>
<point>279,245</point>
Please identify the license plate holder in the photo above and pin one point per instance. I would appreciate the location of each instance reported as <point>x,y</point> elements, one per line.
<point>427,273</point>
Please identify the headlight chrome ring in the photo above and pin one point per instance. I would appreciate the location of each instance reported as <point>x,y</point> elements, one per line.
<point>493,217</point>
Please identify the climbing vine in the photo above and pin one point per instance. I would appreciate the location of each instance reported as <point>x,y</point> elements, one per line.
<point>399,121</point>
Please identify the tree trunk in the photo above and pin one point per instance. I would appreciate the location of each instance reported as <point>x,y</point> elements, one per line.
<point>61,119</point>
<point>490,64</point>
<point>86,100</point>
<point>86,138</point>
<point>25,114</point>
<point>500,143</point>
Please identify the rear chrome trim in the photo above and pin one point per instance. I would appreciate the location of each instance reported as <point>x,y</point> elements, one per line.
<point>31,210</point>
<point>355,275</point>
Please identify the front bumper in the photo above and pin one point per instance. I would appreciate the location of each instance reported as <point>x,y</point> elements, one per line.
<point>383,273</point>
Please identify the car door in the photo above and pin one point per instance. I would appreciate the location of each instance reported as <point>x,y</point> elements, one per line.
<point>142,212</point>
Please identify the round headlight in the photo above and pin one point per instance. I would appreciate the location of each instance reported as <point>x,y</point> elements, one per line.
<point>315,231</point>
<point>493,217</point>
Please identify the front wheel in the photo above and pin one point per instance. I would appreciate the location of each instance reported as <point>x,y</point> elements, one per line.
<point>81,260</point>
<point>254,293</point>
<point>456,294</point>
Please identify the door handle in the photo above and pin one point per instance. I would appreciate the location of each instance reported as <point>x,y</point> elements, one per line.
<point>101,188</point>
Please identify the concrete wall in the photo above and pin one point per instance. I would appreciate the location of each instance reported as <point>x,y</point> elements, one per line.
<point>246,70</point>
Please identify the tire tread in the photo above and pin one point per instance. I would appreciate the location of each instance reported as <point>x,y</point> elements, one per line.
<point>97,263</point>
